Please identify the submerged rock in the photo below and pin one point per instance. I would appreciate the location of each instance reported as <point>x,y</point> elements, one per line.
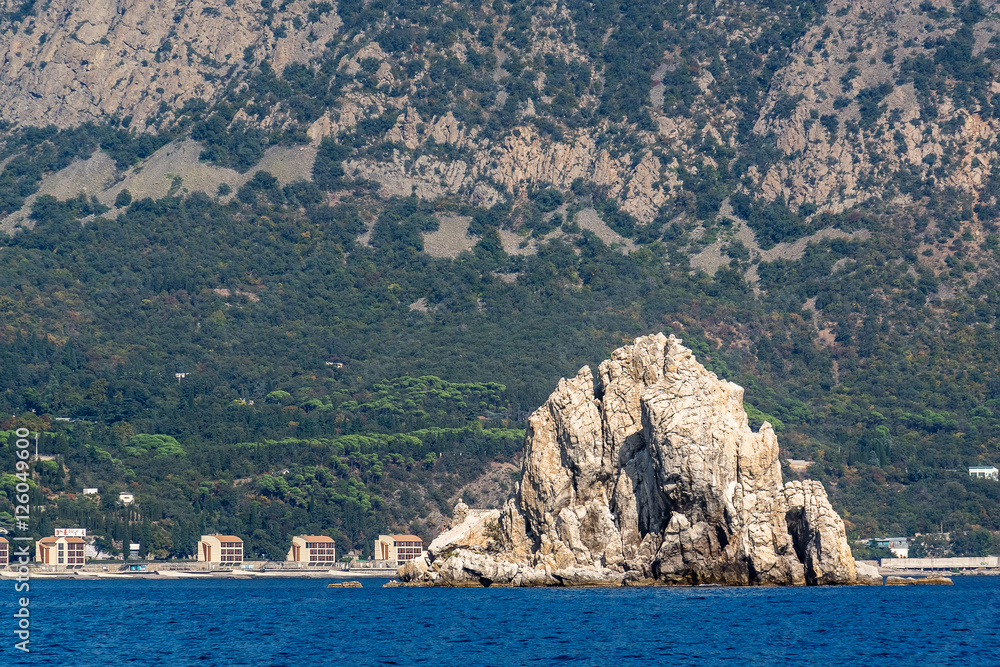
<point>652,477</point>
<point>933,580</point>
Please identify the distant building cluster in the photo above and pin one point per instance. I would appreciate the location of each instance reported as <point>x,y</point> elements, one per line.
<point>124,498</point>
<point>68,548</point>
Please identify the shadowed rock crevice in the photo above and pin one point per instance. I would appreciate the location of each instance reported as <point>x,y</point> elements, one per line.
<point>661,482</point>
<point>794,519</point>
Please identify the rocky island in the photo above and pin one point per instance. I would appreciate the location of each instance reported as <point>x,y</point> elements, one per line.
<point>653,476</point>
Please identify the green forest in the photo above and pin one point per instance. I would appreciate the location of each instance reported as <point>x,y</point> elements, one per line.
<point>311,397</point>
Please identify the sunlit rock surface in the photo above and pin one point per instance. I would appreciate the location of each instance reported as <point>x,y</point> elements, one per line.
<point>652,477</point>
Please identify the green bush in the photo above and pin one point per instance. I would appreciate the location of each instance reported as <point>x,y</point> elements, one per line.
<point>328,168</point>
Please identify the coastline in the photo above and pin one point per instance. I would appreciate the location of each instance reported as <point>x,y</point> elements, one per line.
<point>174,574</point>
<point>977,572</point>
<point>392,575</point>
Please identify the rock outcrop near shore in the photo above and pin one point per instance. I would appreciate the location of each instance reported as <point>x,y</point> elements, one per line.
<point>651,477</point>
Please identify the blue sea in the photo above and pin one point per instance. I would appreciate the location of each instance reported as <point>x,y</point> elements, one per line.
<point>301,622</point>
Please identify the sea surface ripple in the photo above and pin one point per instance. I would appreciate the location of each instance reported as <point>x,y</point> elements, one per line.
<point>301,622</point>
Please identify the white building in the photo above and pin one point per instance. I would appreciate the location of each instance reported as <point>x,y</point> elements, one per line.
<point>224,549</point>
<point>62,551</point>
<point>397,549</point>
<point>126,498</point>
<point>314,550</point>
<point>899,546</point>
<point>984,472</point>
<point>90,491</point>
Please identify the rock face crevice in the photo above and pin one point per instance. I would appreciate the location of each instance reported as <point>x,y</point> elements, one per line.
<point>653,476</point>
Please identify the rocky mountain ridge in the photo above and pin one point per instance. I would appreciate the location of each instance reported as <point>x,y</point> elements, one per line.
<point>846,103</point>
<point>853,106</point>
<point>76,62</point>
<point>652,477</point>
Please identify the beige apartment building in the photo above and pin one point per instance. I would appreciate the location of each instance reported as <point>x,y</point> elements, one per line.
<point>4,552</point>
<point>312,550</point>
<point>398,548</point>
<point>60,551</point>
<point>220,549</point>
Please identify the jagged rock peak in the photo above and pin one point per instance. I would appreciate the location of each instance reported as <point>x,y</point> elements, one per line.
<point>653,476</point>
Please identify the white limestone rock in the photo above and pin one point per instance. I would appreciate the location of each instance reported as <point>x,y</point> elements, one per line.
<point>472,533</point>
<point>653,476</point>
<point>868,574</point>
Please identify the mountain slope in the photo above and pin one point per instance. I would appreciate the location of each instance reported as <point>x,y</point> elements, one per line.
<point>805,192</point>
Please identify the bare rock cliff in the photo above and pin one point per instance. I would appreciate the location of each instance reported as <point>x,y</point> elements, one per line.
<point>854,116</point>
<point>78,61</point>
<point>655,477</point>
